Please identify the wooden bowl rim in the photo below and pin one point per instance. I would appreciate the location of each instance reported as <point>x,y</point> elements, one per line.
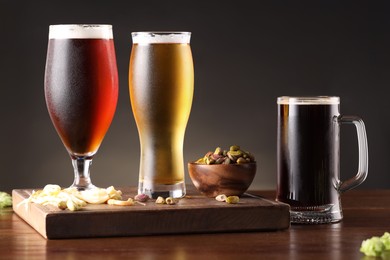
<point>224,165</point>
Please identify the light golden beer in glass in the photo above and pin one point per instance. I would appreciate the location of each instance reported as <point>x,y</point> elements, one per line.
<point>161,84</point>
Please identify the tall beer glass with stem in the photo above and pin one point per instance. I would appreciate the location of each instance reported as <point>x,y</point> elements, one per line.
<point>161,83</point>
<point>81,91</point>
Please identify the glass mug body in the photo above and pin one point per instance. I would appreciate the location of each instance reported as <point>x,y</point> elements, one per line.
<point>161,83</point>
<point>308,157</point>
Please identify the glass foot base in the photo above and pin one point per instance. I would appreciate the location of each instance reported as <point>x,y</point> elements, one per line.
<point>83,187</point>
<point>315,217</point>
<point>177,190</point>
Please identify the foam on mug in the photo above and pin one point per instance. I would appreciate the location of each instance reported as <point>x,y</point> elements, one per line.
<point>317,100</point>
<point>161,37</point>
<point>80,31</point>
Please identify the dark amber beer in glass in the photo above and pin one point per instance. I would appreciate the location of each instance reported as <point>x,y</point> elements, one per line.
<point>161,82</point>
<point>81,87</point>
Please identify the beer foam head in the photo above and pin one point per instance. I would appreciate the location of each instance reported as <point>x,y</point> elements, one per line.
<point>314,100</point>
<point>161,37</point>
<point>80,31</point>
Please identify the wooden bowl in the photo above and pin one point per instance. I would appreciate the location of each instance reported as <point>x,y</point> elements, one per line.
<point>215,179</point>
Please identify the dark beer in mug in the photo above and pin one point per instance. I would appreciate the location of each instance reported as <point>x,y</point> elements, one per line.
<point>307,164</point>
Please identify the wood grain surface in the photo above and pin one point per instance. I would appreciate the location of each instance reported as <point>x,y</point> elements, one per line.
<point>193,214</point>
<point>366,214</point>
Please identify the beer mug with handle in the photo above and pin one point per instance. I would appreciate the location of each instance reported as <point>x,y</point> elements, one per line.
<point>309,157</point>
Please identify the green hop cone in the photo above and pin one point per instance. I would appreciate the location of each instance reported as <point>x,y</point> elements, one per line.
<point>386,240</point>
<point>376,246</point>
<point>5,200</point>
<point>372,247</point>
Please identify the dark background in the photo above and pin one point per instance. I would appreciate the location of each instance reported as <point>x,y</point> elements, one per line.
<point>246,54</point>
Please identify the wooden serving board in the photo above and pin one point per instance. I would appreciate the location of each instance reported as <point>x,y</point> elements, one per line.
<point>193,214</point>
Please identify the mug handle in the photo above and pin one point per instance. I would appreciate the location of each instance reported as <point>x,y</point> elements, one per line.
<point>363,153</point>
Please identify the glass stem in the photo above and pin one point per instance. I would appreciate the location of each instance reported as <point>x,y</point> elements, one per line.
<point>82,179</point>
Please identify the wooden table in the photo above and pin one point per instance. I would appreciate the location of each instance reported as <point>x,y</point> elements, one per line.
<point>366,213</point>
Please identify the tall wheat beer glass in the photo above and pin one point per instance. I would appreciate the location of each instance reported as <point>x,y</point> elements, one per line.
<point>81,90</point>
<point>161,83</point>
